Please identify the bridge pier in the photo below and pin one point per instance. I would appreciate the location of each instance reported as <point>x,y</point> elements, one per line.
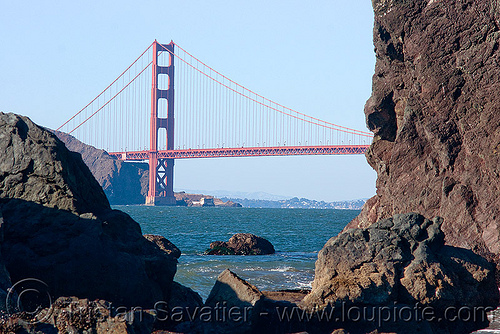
<point>161,171</point>
<point>163,191</point>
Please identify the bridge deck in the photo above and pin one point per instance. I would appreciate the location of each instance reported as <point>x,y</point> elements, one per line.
<point>245,152</point>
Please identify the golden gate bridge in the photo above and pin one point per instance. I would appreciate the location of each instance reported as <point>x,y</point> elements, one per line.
<point>214,117</point>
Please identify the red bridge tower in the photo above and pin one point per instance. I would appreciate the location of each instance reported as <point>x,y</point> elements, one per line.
<point>161,171</point>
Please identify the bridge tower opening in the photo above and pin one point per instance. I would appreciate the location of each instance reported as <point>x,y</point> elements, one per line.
<point>161,171</point>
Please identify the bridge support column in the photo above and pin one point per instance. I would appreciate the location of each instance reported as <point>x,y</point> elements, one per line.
<point>161,171</point>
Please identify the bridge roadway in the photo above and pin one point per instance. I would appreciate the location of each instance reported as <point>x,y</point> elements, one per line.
<point>244,152</point>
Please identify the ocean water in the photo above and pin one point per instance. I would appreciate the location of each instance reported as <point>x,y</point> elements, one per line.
<point>297,236</point>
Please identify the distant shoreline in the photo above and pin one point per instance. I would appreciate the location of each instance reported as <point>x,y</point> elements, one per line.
<point>192,200</point>
<point>298,203</point>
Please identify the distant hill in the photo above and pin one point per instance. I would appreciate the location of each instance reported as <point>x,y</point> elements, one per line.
<point>298,203</point>
<point>122,182</point>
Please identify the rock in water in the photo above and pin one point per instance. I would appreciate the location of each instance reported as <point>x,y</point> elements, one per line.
<point>58,226</point>
<point>242,244</point>
<point>434,111</point>
<point>402,260</point>
<point>164,244</point>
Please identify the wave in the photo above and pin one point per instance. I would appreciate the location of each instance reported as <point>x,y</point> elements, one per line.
<point>284,269</point>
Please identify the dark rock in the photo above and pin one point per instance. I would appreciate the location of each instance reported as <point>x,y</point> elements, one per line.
<point>182,296</point>
<point>103,257</point>
<point>402,260</point>
<point>164,244</point>
<point>179,310</point>
<point>434,111</point>
<point>249,244</point>
<point>241,244</point>
<point>73,315</point>
<point>292,296</point>
<point>237,294</point>
<point>233,290</point>
<point>5,282</point>
<point>122,182</point>
<point>220,248</point>
<point>36,167</point>
<point>58,226</point>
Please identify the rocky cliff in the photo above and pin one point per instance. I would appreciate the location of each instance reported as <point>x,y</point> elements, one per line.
<point>122,182</point>
<point>434,111</point>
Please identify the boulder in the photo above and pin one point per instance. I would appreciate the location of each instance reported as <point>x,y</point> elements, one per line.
<point>185,297</point>
<point>403,260</point>
<point>241,244</point>
<point>164,244</point>
<point>219,248</point>
<point>179,310</point>
<point>36,167</point>
<point>234,291</point>
<point>434,112</point>
<point>74,315</point>
<point>244,299</point>
<point>58,226</point>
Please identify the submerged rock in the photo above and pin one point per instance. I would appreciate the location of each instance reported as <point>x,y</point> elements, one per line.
<point>241,244</point>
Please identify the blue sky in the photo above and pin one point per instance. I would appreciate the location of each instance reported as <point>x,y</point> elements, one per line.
<point>315,57</point>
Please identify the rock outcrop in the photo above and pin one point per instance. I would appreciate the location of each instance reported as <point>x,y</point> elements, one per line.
<point>241,244</point>
<point>399,261</point>
<point>164,244</point>
<point>122,182</point>
<point>73,315</point>
<point>434,113</point>
<point>36,167</point>
<point>58,226</point>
